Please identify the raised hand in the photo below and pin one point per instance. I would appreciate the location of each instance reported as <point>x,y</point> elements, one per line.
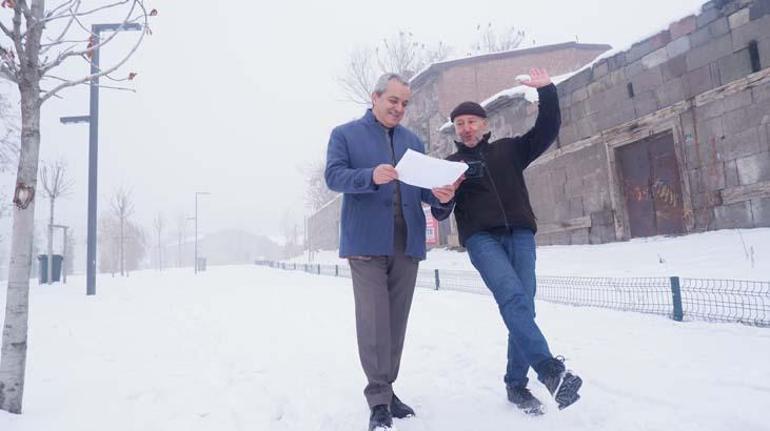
<point>538,78</point>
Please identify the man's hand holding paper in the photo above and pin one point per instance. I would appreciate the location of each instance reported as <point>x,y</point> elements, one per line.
<point>428,172</point>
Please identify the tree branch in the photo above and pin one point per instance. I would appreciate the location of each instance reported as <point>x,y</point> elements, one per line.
<point>106,87</point>
<point>25,8</point>
<point>86,13</point>
<point>64,5</point>
<point>16,37</point>
<point>59,39</point>
<point>107,71</point>
<point>67,54</point>
<point>6,30</point>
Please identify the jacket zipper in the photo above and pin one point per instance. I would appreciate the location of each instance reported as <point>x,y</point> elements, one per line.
<point>494,189</point>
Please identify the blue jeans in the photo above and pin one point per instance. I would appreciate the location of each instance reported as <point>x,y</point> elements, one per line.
<point>506,262</point>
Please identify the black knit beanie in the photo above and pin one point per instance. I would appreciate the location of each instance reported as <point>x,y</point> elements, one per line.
<point>468,108</point>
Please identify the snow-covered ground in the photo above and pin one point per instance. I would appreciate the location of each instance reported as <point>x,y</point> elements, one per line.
<point>739,254</point>
<point>253,348</point>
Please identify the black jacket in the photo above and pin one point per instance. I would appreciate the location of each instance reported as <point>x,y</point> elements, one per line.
<point>499,201</point>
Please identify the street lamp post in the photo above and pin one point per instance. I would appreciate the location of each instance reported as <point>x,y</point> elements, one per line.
<point>195,264</point>
<point>93,145</point>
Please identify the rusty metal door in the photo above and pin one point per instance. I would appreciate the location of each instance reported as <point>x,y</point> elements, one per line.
<point>651,186</point>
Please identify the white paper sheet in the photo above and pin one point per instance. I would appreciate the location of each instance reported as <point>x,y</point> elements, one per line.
<point>427,172</point>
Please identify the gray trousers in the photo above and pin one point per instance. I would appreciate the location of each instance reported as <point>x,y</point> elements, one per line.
<point>383,287</point>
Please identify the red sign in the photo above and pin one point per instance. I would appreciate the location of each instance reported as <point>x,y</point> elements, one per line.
<point>431,227</point>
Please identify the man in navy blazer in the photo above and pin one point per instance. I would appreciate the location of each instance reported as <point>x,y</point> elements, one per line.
<point>382,235</point>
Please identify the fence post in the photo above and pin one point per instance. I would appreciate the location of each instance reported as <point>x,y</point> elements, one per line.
<point>336,270</point>
<point>438,280</point>
<point>676,293</point>
<point>319,268</point>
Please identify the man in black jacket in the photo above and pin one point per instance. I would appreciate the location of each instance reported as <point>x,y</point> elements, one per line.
<point>497,227</point>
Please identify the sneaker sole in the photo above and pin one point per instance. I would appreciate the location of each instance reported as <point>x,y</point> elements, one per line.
<point>533,411</point>
<point>567,393</point>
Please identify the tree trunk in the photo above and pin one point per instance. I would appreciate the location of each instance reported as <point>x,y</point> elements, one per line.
<point>49,274</point>
<point>14,350</point>
<point>122,254</point>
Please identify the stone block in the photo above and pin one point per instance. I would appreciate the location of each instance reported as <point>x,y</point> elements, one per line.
<point>759,8</point>
<point>735,121</point>
<point>740,145</point>
<point>753,169</point>
<point>758,114</point>
<point>568,134</point>
<point>655,58</point>
<point>760,212</point>
<point>733,216</point>
<point>706,17</point>
<point>678,47</point>
<point>731,174</point>
<point>579,236</point>
<point>645,103</point>
<point>647,80</point>
<point>616,115</point>
<point>601,68</point>
<point>617,61</point>
<point>739,18</point>
<point>700,80</point>
<point>586,126</point>
<point>674,68</point>
<point>579,95</point>
<point>711,51</point>
<point>684,26</point>
<point>670,92</point>
<point>713,176</point>
<point>734,66</point>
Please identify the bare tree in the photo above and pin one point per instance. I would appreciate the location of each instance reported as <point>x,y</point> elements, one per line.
<point>34,43</point>
<point>181,229</point>
<point>122,209</point>
<point>316,193</point>
<point>490,40</point>
<point>53,175</point>
<point>401,53</point>
<point>158,224</point>
<point>112,236</point>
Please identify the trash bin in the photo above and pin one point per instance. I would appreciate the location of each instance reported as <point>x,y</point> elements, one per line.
<point>201,264</point>
<point>43,268</point>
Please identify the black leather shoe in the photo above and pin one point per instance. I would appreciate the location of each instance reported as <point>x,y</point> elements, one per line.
<point>399,409</point>
<point>381,419</point>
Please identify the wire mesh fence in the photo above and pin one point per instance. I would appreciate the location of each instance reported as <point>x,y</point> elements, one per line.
<point>741,301</point>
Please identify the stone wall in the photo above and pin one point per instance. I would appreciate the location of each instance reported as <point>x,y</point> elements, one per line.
<point>705,81</point>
